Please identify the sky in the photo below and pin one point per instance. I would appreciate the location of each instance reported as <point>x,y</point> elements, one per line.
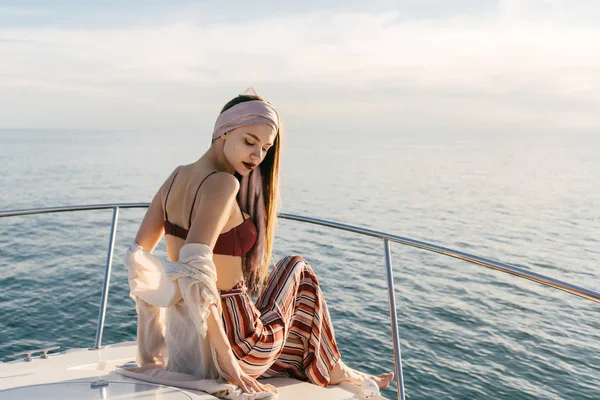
<point>356,66</point>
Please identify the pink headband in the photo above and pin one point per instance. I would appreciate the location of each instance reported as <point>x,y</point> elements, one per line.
<point>246,113</point>
<point>251,197</point>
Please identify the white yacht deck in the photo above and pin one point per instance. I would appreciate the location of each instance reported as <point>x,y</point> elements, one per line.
<point>90,374</point>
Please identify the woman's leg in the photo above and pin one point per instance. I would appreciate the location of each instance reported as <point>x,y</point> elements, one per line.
<point>293,296</point>
<point>288,332</point>
<point>342,373</point>
<point>309,349</point>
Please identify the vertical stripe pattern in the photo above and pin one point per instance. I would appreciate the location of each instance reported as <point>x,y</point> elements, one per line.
<point>288,332</point>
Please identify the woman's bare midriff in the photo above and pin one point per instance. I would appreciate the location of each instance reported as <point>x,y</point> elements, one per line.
<point>229,268</point>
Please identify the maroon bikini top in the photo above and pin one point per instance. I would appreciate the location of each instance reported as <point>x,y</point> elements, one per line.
<point>236,242</point>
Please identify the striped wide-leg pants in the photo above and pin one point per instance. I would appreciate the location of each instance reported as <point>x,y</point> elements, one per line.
<point>288,332</point>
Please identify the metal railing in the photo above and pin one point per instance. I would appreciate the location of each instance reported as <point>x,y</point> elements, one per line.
<point>386,237</point>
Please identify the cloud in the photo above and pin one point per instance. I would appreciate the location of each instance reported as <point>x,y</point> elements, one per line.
<point>502,61</point>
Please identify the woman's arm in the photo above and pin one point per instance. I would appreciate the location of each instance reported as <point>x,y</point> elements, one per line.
<point>152,228</point>
<point>217,198</point>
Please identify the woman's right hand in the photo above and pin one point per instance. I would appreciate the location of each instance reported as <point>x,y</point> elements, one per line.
<point>234,373</point>
<point>225,357</point>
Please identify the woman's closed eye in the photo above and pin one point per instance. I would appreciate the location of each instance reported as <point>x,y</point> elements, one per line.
<point>249,143</point>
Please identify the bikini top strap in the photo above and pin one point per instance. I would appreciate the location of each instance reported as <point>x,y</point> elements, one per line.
<point>169,191</point>
<point>194,202</point>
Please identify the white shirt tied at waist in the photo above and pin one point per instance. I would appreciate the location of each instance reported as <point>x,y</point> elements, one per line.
<point>172,302</point>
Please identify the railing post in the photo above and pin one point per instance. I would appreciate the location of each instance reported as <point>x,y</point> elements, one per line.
<point>394,320</point>
<point>106,284</point>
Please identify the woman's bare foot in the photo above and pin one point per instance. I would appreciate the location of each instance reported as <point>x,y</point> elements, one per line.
<point>342,373</point>
<point>382,380</point>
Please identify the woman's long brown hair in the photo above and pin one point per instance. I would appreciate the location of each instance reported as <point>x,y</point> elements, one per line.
<point>269,168</point>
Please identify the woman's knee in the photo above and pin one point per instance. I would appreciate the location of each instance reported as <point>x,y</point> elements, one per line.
<point>295,262</point>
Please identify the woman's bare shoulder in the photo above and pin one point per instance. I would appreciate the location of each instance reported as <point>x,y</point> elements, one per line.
<point>167,183</point>
<point>220,184</point>
<point>215,202</point>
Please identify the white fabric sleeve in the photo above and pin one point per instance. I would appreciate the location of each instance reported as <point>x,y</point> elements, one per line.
<point>148,279</point>
<point>189,348</point>
<point>150,291</point>
<point>155,285</point>
<point>151,345</point>
<point>196,276</point>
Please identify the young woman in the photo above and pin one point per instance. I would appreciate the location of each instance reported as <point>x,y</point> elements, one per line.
<point>218,216</point>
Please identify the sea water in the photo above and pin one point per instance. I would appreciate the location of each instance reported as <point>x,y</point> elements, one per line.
<point>466,332</point>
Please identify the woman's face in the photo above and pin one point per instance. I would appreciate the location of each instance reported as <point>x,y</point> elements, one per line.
<point>245,147</point>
